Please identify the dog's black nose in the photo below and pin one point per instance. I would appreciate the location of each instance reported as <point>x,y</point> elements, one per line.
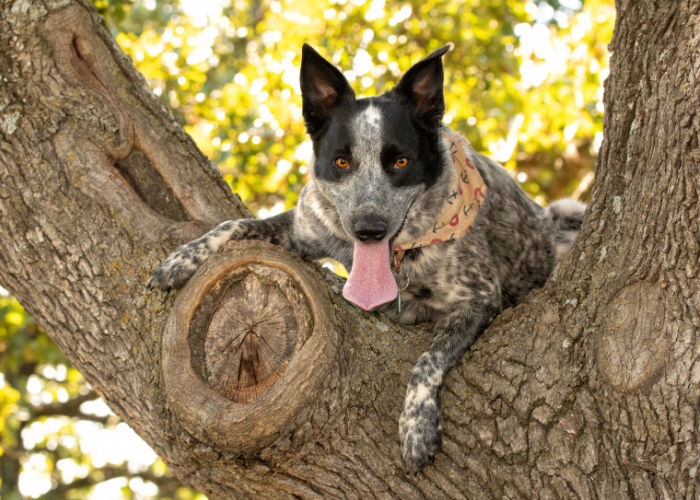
<point>369,228</point>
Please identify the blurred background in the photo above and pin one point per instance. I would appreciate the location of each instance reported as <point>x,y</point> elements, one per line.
<point>524,84</point>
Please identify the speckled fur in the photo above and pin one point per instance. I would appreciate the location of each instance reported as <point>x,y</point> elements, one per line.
<point>459,286</point>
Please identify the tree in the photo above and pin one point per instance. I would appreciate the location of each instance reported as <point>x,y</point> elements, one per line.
<point>241,114</point>
<point>217,86</point>
<point>590,387</point>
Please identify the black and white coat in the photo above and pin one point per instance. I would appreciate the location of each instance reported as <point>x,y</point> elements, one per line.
<point>459,286</point>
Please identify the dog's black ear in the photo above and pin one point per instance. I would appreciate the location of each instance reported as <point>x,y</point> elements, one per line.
<point>323,87</point>
<point>421,86</point>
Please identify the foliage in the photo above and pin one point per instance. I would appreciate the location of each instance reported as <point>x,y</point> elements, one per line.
<point>57,438</point>
<point>523,83</point>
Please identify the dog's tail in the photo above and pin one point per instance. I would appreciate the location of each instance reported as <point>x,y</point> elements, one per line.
<point>567,217</point>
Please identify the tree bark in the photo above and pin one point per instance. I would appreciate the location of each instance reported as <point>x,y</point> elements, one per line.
<point>258,380</point>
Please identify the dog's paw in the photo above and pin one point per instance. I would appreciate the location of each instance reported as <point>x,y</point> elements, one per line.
<point>183,262</point>
<point>174,271</point>
<point>420,432</point>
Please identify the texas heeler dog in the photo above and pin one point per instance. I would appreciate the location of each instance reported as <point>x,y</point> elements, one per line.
<point>426,225</point>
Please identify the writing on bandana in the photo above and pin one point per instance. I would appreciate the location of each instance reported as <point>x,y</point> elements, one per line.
<point>460,207</point>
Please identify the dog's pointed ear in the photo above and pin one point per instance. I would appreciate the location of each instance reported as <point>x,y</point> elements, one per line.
<point>323,87</point>
<point>422,84</point>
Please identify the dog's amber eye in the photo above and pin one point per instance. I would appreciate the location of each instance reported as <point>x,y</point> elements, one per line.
<point>401,162</point>
<point>341,162</point>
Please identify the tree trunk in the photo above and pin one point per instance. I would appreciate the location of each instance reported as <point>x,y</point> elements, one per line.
<point>258,380</point>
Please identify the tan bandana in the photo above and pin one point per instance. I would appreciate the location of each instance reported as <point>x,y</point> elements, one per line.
<point>461,205</point>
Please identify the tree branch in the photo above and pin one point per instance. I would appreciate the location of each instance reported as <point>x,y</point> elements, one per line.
<point>167,485</point>
<point>69,408</point>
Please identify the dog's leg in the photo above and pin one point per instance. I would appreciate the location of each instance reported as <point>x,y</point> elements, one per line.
<point>174,271</point>
<point>420,429</point>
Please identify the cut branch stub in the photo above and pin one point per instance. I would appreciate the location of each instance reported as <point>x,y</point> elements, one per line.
<point>247,345</point>
<point>248,328</point>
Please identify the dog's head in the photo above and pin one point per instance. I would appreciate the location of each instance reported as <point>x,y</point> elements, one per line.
<point>377,159</point>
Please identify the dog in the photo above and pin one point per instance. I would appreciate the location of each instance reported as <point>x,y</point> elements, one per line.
<point>430,230</point>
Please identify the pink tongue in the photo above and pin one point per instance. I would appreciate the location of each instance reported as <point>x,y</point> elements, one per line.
<point>370,283</point>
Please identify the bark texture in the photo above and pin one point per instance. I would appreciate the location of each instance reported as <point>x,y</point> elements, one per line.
<point>258,380</point>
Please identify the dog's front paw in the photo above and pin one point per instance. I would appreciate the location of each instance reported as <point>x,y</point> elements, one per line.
<point>420,431</point>
<point>174,271</point>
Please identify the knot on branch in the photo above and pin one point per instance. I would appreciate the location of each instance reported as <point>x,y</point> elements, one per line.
<point>247,328</point>
<point>247,346</point>
<point>633,347</point>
